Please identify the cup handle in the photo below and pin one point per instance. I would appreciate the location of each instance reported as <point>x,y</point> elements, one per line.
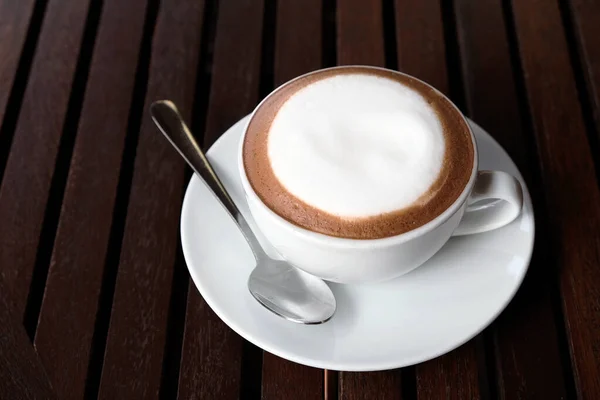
<point>495,201</point>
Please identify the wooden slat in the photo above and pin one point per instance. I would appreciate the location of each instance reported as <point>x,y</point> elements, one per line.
<point>136,338</point>
<point>22,375</point>
<point>528,358</point>
<point>451,376</point>
<point>287,380</point>
<point>569,181</point>
<point>74,280</point>
<point>422,53</point>
<point>370,385</point>
<point>420,41</point>
<point>211,356</point>
<point>14,20</point>
<point>30,165</point>
<point>298,39</point>
<point>586,15</point>
<point>360,41</point>
<point>360,33</point>
<point>211,359</point>
<point>297,51</point>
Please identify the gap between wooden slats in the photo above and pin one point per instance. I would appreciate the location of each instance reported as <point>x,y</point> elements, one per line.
<point>569,180</point>
<point>329,32</point>
<point>252,369</point>
<point>329,59</point>
<point>137,333</point>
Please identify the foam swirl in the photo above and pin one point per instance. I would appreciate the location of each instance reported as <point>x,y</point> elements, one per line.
<point>356,145</point>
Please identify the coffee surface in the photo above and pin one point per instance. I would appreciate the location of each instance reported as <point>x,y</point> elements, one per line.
<point>357,153</point>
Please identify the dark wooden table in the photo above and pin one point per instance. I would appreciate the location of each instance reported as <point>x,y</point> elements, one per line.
<point>95,299</point>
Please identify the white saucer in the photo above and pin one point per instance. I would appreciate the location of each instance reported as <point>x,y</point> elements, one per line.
<point>414,318</point>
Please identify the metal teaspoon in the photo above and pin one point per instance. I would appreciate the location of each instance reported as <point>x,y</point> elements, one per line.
<point>283,289</point>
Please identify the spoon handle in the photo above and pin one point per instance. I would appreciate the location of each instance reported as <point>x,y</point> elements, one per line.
<point>171,124</point>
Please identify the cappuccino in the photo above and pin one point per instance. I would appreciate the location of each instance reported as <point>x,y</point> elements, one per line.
<point>357,152</point>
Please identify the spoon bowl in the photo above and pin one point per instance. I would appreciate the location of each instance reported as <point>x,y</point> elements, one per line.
<point>291,293</point>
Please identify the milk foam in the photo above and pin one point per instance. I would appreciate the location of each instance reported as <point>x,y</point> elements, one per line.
<point>356,145</point>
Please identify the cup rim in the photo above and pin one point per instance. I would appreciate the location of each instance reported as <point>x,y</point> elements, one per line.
<point>350,242</point>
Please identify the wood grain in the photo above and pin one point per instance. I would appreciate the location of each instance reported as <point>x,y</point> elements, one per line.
<point>22,375</point>
<point>211,359</point>
<point>298,39</point>
<point>136,338</point>
<point>297,51</point>
<point>360,33</point>
<point>212,353</point>
<point>370,385</point>
<point>14,21</point>
<point>420,41</point>
<point>569,181</point>
<point>30,165</point>
<point>75,277</point>
<point>360,41</point>
<point>286,379</point>
<point>451,376</point>
<point>586,14</point>
<point>527,352</point>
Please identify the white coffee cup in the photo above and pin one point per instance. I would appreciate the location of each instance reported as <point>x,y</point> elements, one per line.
<point>369,260</point>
